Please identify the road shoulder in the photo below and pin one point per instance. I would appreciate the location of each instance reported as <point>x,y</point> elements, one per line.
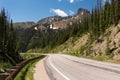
<point>40,72</point>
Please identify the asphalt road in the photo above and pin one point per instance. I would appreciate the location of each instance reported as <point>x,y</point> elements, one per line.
<point>65,67</point>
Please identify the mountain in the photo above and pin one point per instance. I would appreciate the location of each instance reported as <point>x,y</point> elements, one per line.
<point>23,25</point>
<point>81,15</point>
<point>58,22</point>
<point>28,32</point>
<point>24,32</point>
<point>55,21</point>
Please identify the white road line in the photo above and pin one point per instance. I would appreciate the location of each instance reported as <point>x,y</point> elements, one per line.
<point>58,70</point>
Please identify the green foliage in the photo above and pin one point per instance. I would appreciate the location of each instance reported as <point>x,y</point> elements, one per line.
<point>101,57</point>
<point>119,51</point>
<point>29,55</point>
<point>27,72</point>
<point>5,65</point>
<point>107,51</point>
<point>117,10</point>
<point>118,29</point>
<point>23,37</point>
<point>82,49</point>
<point>8,52</point>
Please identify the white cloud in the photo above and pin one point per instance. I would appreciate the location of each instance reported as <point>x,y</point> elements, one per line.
<point>71,1</point>
<point>71,12</point>
<point>59,12</point>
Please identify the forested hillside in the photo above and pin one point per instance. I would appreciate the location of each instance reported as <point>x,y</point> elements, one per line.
<point>100,19</point>
<point>100,39</point>
<point>24,32</point>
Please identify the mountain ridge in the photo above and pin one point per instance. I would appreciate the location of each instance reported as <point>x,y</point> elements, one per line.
<point>46,22</point>
<point>47,26</point>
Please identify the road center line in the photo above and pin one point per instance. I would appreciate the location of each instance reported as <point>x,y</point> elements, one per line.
<point>58,70</point>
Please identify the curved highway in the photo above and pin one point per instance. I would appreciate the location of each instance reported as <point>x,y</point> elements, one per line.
<point>65,67</point>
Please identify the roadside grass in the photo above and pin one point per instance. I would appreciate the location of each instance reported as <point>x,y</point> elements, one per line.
<point>29,55</point>
<point>5,65</point>
<point>105,58</point>
<point>27,72</point>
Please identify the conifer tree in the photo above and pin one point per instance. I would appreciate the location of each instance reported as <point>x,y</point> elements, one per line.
<point>7,39</point>
<point>117,10</point>
<point>107,13</point>
<point>112,12</point>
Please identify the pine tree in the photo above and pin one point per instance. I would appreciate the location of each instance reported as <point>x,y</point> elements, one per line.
<point>101,21</point>
<point>7,39</point>
<point>107,13</point>
<point>117,10</point>
<point>4,30</point>
<point>112,12</point>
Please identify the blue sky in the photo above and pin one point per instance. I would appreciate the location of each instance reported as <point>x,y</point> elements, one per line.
<point>34,10</point>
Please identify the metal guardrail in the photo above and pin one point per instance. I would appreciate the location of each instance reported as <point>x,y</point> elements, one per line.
<point>14,71</point>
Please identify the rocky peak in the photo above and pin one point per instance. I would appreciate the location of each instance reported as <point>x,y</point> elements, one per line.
<point>82,11</point>
<point>51,19</point>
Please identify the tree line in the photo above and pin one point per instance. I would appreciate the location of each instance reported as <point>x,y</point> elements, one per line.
<point>8,51</point>
<point>103,16</point>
